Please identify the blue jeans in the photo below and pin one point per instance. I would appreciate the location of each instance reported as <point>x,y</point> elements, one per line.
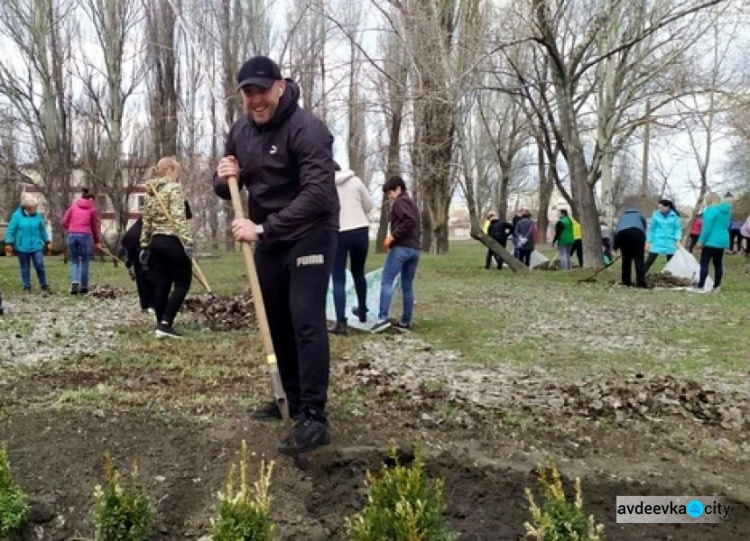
<point>404,260</point>
<point>563,254</point>
<point>26,259</point>
<point>79,248</point>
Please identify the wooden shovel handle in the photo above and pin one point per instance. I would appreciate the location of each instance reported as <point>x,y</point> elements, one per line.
<point>260,307</point>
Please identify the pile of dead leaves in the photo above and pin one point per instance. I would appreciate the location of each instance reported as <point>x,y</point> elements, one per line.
<point>648,398</point>
<point>224,313</point>
<point>549,265</point>
<point>666,280</point>
<point>411,375</point>
<point>104,291</point>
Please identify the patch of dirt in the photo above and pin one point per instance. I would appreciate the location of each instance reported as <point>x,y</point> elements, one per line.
<point>57,457</point>
<point>485,499</point>
<point>223,313</point>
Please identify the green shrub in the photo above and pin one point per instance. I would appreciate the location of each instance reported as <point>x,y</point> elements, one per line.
<point>123,512</point>
<point>14,507</point>
<point>402,505</point>
<point>557,519</point>
<point>245,515</point>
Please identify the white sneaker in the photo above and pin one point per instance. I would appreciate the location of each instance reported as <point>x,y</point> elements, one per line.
<point>696,289</point>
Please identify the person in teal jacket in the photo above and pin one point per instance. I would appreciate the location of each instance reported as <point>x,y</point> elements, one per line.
<point>27,236</point>
<point>714,238</point>
<point>664,232</point>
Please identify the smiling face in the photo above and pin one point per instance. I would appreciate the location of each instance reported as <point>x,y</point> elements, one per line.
<point>261,103</point>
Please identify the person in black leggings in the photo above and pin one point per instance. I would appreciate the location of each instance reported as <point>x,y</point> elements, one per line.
<point>353,243</point>
<point>715,239</point>
<point>166,244</point>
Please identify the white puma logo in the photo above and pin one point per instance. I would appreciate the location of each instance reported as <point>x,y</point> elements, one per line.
<point>273,149</point>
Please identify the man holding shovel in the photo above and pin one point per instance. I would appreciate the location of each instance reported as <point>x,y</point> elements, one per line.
<point>283,156</point>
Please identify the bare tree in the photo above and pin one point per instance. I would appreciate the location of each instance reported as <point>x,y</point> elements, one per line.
<point>616,53</point>
<point>35,80</point>
<point>504,120</point>
<point>107,89</point>
<point>713,87</point>
<point>307,38</point>
<point>357,138</point>
<point>10,185</point>
<point>394,77</point>
<point>163,80</point>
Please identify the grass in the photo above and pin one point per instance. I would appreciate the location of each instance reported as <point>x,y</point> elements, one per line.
<point>541,320</point>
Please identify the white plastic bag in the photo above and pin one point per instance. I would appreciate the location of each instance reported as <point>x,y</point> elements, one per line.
<point>374,279</point>
<point>537,258</point>
<point>684,265</point>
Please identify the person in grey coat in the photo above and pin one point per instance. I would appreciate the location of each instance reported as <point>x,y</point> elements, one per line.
<point>524,232</point>
<point>630,240</point>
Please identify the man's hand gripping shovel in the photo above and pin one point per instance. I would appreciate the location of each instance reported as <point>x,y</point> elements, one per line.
<point>260,310</point>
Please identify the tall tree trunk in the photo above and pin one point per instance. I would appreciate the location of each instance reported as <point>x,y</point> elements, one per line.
<point>546,185</point>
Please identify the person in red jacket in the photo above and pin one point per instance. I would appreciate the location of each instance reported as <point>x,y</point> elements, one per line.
<point>695,232</point>
<point>81,221</point>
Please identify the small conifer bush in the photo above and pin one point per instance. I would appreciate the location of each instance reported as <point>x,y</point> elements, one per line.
<point>245,514</point>
<point>557,519</point>
<point>123,510</point>
<point>14,507</point>
<point>402,505</point>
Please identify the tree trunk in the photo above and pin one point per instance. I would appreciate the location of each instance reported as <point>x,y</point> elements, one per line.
<point>546,184</point>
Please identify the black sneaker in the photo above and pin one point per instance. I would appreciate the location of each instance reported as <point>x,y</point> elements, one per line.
<point>340,328</point>
<point>46,290</point>
<point>27,290</point>
<point>74,289</point>
<point>402,326</point>
<point>84,291</point>
<point>310,431</point>
<point>361,313</point>
<point>166,331</point>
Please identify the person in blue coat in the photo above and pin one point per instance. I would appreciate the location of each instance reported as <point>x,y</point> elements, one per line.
<point>664,232</point>
<point>714,238</point>
<point>27,236</point>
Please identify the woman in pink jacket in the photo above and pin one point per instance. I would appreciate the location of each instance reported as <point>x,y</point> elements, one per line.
<point>81,221</point>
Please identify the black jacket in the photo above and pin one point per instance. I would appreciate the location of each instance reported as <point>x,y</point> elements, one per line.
<point>500,230</point>
<point>287,167</point>
<point>131,243</point>
<point>405,222</point>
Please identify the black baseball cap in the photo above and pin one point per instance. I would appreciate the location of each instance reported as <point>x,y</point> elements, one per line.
<point>259,71</point>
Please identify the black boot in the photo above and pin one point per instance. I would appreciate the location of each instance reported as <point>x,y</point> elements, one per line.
<point>361,313</point>
<point>340,328</point>
<point>310,431</point>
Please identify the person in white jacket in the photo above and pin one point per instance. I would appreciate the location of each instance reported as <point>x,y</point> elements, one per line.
<point>353,243</point>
